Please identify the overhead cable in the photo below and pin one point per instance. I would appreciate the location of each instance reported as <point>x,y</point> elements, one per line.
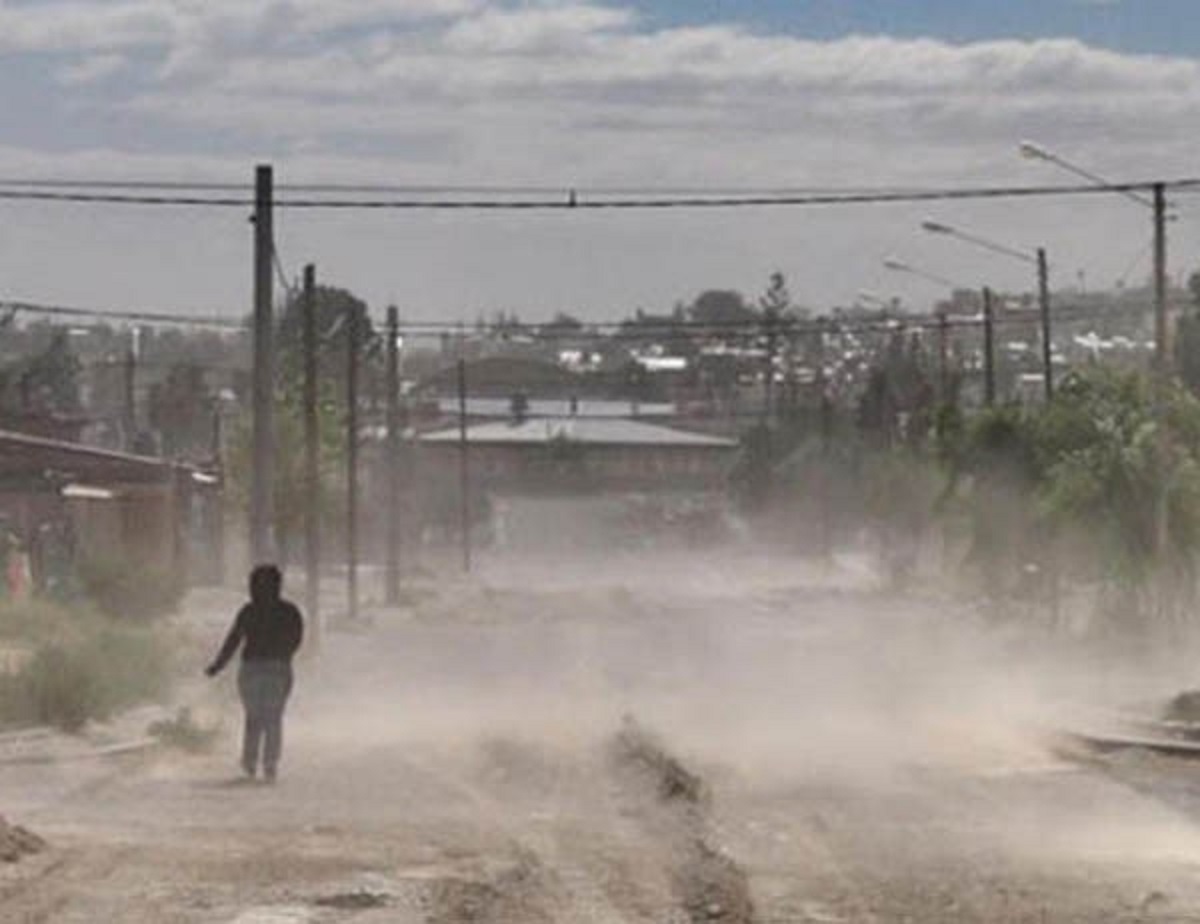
<point>571,199</point>
<point>149,317</point>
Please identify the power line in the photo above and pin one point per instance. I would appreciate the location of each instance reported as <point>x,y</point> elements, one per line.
<point>573,201</point>
<point>149,317</point>
<point>447,189</point>
<point>287,286</point>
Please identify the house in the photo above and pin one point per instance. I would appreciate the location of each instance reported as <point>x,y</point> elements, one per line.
<point>561,484</point>
<point>66,499</point>
<point>583,453</point>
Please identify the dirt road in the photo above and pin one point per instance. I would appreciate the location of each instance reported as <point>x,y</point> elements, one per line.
<point>647,749</point>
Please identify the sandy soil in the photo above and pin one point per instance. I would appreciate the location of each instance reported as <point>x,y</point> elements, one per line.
<point>668,744</point>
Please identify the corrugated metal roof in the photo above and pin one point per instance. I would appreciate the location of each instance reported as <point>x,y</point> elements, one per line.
<point>22,455</point>
<point>588,431</point>
<point>559,407</point>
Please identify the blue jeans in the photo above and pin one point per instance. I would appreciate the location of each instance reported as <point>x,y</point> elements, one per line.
<point>264,687</point>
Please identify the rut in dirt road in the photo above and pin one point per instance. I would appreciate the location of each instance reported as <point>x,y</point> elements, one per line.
<point>710,885</point>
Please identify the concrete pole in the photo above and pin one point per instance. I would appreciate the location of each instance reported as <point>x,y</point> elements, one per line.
<point>1162,354</point>
<point>392,465</point>
<point>464,475</point>
<point>1162,363</point>
<point>129,388</point>
<point>989,349</point>
<point>943,347</point>
<point>262,514</point>
<point>1044,308</point>
<point>312,477</point>
<point>352,342</point>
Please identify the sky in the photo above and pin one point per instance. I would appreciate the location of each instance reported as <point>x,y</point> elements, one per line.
<point>630,93</point>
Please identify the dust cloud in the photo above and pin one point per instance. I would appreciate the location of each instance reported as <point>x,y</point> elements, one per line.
<point>767,677</point>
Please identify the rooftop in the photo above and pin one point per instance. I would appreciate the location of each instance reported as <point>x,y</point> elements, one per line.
<point>584,430</point>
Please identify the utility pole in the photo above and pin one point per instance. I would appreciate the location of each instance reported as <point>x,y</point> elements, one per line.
<point>1044,307</point>
<point>464,480</point>
<point>129,397</point>
<point>392,571</point>
<point>1162,355</point>
<point>312,483</point>
<point>943,347</point>
<point>771,322</point>
<point>262,481</point>
<point>1162,364</point>
<point>989,349</point>
<point>352,464</point>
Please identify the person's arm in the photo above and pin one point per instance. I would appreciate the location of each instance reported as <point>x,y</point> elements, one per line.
<point>295,630</point>
<point>236,633</point>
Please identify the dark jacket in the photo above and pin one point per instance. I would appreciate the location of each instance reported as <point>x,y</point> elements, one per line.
<point>272,630</point>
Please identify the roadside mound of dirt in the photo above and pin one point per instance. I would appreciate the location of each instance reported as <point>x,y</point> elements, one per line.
<point>710,885</point>
<point>17,842</point>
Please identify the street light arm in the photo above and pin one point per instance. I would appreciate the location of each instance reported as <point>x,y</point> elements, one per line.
<point>1037,152</point>
<point>900,266</point>
<point>936,227</point>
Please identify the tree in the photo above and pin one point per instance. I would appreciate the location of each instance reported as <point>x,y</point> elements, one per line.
<point>1094,474</point>
<point>290,487</point>
<point>334,308</point>
<point>776,301</point>
<point>721,306</point>
<point>49,381</point>
<point>563,324</point>
<point>181,409</point>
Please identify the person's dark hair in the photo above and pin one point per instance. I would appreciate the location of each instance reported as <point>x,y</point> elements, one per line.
<point>265,583</point>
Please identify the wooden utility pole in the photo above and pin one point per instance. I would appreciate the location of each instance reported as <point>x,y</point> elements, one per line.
<point>262,479</point>
<point>392,467</point>
<point>352,338</point>
<point>312,474</point>
<point>989,349</point>
<point>464,476</point>
<point>1043,270</point>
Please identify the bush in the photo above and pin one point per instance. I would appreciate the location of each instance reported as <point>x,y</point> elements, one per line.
<point>128,591</point>
<point>83,666</point>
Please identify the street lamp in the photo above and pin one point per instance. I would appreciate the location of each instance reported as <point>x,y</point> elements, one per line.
<point>1038,259</point>
<point>1031,150</point>
<point>900,266</point>
<point>1157,204</point>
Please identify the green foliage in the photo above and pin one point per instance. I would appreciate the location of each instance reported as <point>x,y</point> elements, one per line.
<point>47,380</point>
<point>1111,467</point>
<point>290,484</point>
<point>181,409</point>
<point>902,489</point>
<point>334,309</point>
<point>83,666</point>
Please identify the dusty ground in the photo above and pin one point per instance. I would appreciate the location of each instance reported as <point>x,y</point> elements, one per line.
<point>647,745</point>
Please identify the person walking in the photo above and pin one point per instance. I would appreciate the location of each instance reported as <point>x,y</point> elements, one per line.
<point>269,630</point>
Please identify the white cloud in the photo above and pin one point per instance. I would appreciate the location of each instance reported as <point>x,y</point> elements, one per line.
<point>579,93</point>
<point>91,69</point>
<point>537,30</point>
